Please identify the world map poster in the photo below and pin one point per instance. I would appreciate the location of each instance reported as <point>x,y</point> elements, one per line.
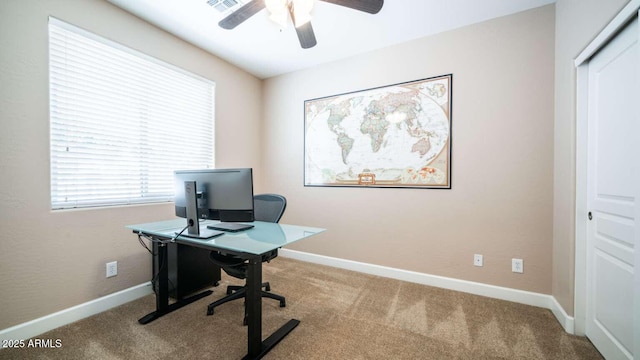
<point>392,136</point>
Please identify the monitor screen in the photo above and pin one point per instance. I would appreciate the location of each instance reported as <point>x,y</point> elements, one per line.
<point>221,194</point>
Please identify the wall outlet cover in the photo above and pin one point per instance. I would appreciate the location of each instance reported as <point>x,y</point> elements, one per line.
<point>112,269</point>
<point>517,265</point>
<point>477,260</point>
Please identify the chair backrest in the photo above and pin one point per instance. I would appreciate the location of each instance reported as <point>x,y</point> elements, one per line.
<point>269,207</point>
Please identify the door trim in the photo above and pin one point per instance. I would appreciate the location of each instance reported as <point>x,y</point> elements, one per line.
<point>628,13</point>
<point>611,30</point>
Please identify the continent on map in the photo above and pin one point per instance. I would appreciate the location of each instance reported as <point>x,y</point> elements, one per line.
<point>376,127</point>
<point>346,144</point>
<point>377,120</point>
<point>337,113</point>
<point>437,90</point>
<point>422,146</point>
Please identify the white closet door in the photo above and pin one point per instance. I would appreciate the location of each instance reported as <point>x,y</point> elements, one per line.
<point>612,194</point>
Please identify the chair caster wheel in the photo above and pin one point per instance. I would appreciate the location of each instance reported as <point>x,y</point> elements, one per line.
<point>245,322</point>
<point>283,303</point>
<point>267,288</point>
<point>209,312</point>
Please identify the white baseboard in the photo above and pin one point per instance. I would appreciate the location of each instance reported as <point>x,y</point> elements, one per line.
<point>565,320</point>
<point>46,323</point>
<point>49,322</point>
<point>492,291</point>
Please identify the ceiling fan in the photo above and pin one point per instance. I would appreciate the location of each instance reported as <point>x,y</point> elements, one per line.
<point>299,12</point>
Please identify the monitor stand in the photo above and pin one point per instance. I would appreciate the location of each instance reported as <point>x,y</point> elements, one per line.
<point>193,230</point>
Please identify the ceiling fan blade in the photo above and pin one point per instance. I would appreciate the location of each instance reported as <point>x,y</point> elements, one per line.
<point>368,6</point>
<point>239,16</point>
<point>306,36</point>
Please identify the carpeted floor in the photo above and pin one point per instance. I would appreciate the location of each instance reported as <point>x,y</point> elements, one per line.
<point>344,315</point>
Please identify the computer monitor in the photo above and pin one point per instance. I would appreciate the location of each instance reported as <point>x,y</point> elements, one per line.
<point>217,194</point>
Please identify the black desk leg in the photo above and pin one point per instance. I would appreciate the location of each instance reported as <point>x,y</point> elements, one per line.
<point>254,307</point>
<point>162,296</point>
<point>256,347</point>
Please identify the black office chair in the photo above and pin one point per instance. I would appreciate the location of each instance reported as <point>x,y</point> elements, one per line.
<point>268,208</point>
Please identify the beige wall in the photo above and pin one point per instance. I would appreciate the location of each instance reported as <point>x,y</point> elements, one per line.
<point>501,201</point>
<point>513,166</point>
<point>52,261</point>
<point>577,23</point>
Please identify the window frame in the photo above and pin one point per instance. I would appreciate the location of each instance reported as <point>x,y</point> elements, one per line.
<point>180,137</point>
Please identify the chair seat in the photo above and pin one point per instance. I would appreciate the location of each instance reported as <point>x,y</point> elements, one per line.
<point>235,266</point>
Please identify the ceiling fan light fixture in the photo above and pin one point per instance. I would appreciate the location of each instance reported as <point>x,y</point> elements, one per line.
<point>278,11</point>
<point>280,19</point>
<point>301,11</point>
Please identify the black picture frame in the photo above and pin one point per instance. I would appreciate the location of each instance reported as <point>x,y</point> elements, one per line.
<point>393,136</point>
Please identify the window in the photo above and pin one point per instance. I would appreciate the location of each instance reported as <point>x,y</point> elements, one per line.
<point>121,122</point>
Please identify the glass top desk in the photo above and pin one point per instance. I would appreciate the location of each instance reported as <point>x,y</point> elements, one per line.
<point>248,244</point>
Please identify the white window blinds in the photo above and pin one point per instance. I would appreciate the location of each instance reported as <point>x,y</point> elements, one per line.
<point>121,122</point>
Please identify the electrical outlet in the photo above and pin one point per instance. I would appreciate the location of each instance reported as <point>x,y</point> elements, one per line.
<point>112,269</point>
<point>477,260</point>
<point>517,266</point>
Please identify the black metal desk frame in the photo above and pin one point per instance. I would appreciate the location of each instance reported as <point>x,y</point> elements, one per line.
<point>256,347</point>
<point>162,295</point>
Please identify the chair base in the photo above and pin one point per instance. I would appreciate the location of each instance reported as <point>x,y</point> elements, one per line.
<point>238,292</point>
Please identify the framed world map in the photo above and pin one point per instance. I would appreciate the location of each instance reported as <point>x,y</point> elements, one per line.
<point>392,136</point>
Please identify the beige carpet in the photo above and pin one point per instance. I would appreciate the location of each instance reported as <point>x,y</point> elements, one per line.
<point>344,315</point>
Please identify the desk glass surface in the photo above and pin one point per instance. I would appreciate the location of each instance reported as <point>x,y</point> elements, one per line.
<point>263,237</point>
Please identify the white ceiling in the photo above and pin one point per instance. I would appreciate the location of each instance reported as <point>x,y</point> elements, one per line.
<point>260,47</point>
